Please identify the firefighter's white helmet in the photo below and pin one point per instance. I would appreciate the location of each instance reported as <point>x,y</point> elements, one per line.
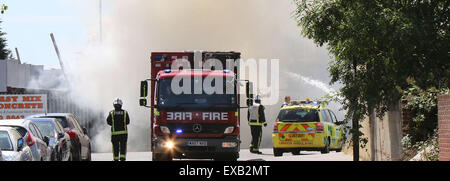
<point>117,101</point>
<point>258,97</point>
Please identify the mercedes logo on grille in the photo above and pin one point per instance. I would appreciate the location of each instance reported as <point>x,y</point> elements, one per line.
<point>197,128</point>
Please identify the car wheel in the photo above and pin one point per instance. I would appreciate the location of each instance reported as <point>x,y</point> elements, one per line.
<point>89,154</point>
<point>70,157</point>
<point>76,154</point>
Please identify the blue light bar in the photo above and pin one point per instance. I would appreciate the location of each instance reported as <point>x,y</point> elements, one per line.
<point>179,131</point>
<point>167,71</point>
<point>226,71</point>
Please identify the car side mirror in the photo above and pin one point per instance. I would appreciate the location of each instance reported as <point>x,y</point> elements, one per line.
<point>19,144</point>
<point>46,140</point>
<point>85,131</point>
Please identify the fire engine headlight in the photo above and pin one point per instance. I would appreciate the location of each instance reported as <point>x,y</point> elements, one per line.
<point>229,130</point>
<point>229,144</point>
<point>165,129</point>
<point>169,144</point>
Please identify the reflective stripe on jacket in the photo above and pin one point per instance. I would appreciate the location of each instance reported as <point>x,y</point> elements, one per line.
<point>256,115</point>
<point>118,120</point>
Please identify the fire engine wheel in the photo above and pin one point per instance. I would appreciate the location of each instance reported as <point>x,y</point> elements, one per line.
<point>161,157</point>
<point>230,157</point>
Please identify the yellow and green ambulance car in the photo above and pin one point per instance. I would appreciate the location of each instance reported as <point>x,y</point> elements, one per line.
<point>306,125</point>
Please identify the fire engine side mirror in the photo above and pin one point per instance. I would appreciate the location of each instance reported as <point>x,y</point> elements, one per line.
<point>144,88</point>
<point>249,102</point>
<point>249,90</point>
<point>143,102</point>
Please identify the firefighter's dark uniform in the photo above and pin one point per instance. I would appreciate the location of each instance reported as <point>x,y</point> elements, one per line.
<point>118,120</point>
<point>256,119</point>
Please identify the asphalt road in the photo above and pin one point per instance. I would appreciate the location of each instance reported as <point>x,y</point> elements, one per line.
<point>245,155</point>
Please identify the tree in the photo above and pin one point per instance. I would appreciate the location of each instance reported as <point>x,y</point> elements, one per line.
<point>378,45</point>
<point>4,52</point>
<point>3,8</point>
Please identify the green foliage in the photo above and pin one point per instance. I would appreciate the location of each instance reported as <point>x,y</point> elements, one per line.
<point>378,45</point>
<point>3,8</point>
<point>422,106</point>
<point>428,149</point>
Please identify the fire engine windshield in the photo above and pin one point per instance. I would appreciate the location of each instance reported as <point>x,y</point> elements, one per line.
<point>298,115</point>
<point>197,95</point>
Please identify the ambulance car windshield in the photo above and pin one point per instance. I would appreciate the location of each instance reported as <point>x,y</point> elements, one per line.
<point>298,115</point>
<point>168,99</point>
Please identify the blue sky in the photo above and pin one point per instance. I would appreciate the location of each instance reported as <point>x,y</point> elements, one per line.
<point>28,24</point>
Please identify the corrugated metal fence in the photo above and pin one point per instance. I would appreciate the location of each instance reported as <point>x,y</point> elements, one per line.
<point>60,102</point>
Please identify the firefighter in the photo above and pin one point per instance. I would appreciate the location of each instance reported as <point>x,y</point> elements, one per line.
<point>256,119</point>
<point>118,119</point>
<point>287,101</point>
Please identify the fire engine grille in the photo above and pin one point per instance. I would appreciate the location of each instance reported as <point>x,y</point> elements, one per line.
<point>194,128</point>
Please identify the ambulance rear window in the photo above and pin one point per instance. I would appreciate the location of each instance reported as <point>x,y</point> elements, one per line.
<point>298,115</point>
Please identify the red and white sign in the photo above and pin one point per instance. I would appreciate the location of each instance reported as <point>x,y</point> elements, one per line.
<point>19,106</point>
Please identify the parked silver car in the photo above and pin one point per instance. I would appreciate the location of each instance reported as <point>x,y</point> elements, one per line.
<point>59,140</point>
<point>12,146</point>
<point>81,143</point>
<point>33,137</point>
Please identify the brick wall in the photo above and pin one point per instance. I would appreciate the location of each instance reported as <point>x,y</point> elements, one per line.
<point>444,127</point>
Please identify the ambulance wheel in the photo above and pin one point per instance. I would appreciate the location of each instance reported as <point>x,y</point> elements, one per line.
<point>295,152</point>
<point>277,152</point>
<point>327,147</point>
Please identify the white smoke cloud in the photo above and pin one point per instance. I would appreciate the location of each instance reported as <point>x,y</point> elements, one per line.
<point>132,29</point>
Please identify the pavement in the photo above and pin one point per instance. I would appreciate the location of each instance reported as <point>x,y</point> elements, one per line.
<point>245,155</point>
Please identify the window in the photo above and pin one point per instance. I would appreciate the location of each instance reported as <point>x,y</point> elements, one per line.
<point>75,123</point>
<point>5,141</point>
<point>64,122</point>
<point>298,115</point>
<point>32,130</point>
<point>46,128</point>
<point>59,128</point>
<point>325,115</point>
<point>35,131</point>
<point>333,116</point>
<point>21,130</point>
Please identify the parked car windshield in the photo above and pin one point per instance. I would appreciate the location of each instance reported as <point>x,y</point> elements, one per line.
<point>46,128</point>
<point>298,115</point>
<point>65,123</point>
<point>5,142</point>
